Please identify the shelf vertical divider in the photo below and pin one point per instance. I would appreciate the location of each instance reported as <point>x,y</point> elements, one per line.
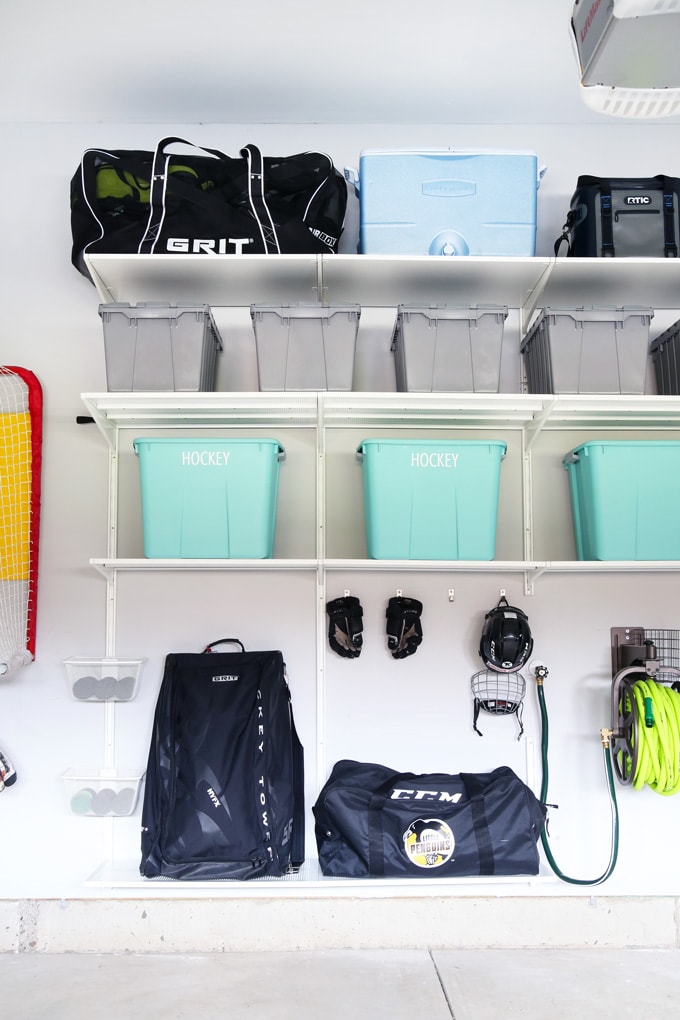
<point>111,593</point>
<point>320,593</point>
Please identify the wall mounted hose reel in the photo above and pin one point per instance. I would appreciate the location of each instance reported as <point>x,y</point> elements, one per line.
<point>645,709</point>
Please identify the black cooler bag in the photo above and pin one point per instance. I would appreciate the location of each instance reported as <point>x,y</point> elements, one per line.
<point>625,216</point>
<point>136,202</point>
<point>374,822</point>
<point>224,782</point>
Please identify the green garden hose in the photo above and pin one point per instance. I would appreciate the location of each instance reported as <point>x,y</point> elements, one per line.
<point>658,740</point>
<point>541,672</point>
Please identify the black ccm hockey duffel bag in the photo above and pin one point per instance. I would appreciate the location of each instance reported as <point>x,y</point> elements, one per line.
<point>374,822</point>
<point>204,203</point>
<point>225,778</point>
<point>625,216</point>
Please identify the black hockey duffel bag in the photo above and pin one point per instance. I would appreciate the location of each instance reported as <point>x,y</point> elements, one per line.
<point>374,822</point>
<point>138,202</point>
<point>626,216</point>
<point>224,793</point>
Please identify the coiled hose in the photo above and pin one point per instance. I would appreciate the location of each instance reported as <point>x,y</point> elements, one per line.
<point>541,673</point>
<point>658,740</point>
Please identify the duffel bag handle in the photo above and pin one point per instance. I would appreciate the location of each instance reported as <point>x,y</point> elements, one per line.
<point>158,184</point>
<point>258,201</point>
<point>376,843</point>
<point>224,641</point>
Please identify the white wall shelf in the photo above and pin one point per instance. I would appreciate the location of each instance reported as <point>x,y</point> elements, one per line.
<point>107,567</point>
<point>530,413</point>
<point>524,283</point>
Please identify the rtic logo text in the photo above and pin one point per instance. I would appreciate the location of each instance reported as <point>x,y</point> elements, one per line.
<point>208,246</point>
<point>637,200</point>
<point>440,795</point>
<point>226,678</point>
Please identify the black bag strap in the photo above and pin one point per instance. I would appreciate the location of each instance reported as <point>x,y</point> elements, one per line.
<point>258,202</point>
<point>607,249</point>
<point>566,233</point>
<point>480,824</point>
<point>670,245</point>
<point>376,851</point>
<point>297,843</point>
<point>224,641</point>
<point>475,792</point>
<point>158,187</point>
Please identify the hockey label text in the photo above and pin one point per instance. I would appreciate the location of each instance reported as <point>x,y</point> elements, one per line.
<point>205,458</point>
<point>261,782</point>
<point>436,460</point>
<point>438,795</point>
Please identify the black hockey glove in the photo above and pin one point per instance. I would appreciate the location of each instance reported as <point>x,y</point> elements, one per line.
<point>404,632</point>
<point>345,626</point>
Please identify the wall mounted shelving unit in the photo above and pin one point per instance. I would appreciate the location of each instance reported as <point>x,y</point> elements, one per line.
<point>525,284</point>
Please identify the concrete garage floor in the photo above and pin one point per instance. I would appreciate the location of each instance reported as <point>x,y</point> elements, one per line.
<point>469,984</point>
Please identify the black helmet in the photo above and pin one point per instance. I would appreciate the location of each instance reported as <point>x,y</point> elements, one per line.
<point>506,641</point>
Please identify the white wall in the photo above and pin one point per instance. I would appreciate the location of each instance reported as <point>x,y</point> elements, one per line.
<point>49,324</point>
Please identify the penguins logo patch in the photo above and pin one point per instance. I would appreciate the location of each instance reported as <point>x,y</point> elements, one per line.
<point>429,843</point>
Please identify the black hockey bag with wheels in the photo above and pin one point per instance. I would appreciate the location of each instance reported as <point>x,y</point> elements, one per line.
<point>224,793</point>
<point>372,821</point>
<point>625,216</point>
<point>204,203</point>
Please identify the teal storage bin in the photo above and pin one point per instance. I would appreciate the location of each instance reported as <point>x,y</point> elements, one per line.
<point>209,498</point>
<point>624,499</point>
<point>431,499</point>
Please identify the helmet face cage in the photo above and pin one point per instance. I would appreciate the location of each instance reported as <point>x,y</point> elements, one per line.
<point>506,641</point>
<point>498,694</point>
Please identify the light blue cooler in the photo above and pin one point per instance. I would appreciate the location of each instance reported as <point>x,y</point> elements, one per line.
<point>209,498</point>
<point>431,499</point>
<point>624,499</point>
<point>447,201</point>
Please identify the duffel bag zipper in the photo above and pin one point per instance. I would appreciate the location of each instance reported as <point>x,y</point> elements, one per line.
<point>636,212</point>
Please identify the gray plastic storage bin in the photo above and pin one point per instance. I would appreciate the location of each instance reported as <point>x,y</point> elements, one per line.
<point>305,346</point>
<point>442,348</point>
<point>665,352</point>
<point>156,346</point>
<point>588,350</point>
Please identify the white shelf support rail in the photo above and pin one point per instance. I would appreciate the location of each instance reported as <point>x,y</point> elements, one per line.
<point>321,652</point>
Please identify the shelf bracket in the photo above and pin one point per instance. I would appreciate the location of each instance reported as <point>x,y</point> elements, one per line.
<point>530,576</point>
<point>529,306</point>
